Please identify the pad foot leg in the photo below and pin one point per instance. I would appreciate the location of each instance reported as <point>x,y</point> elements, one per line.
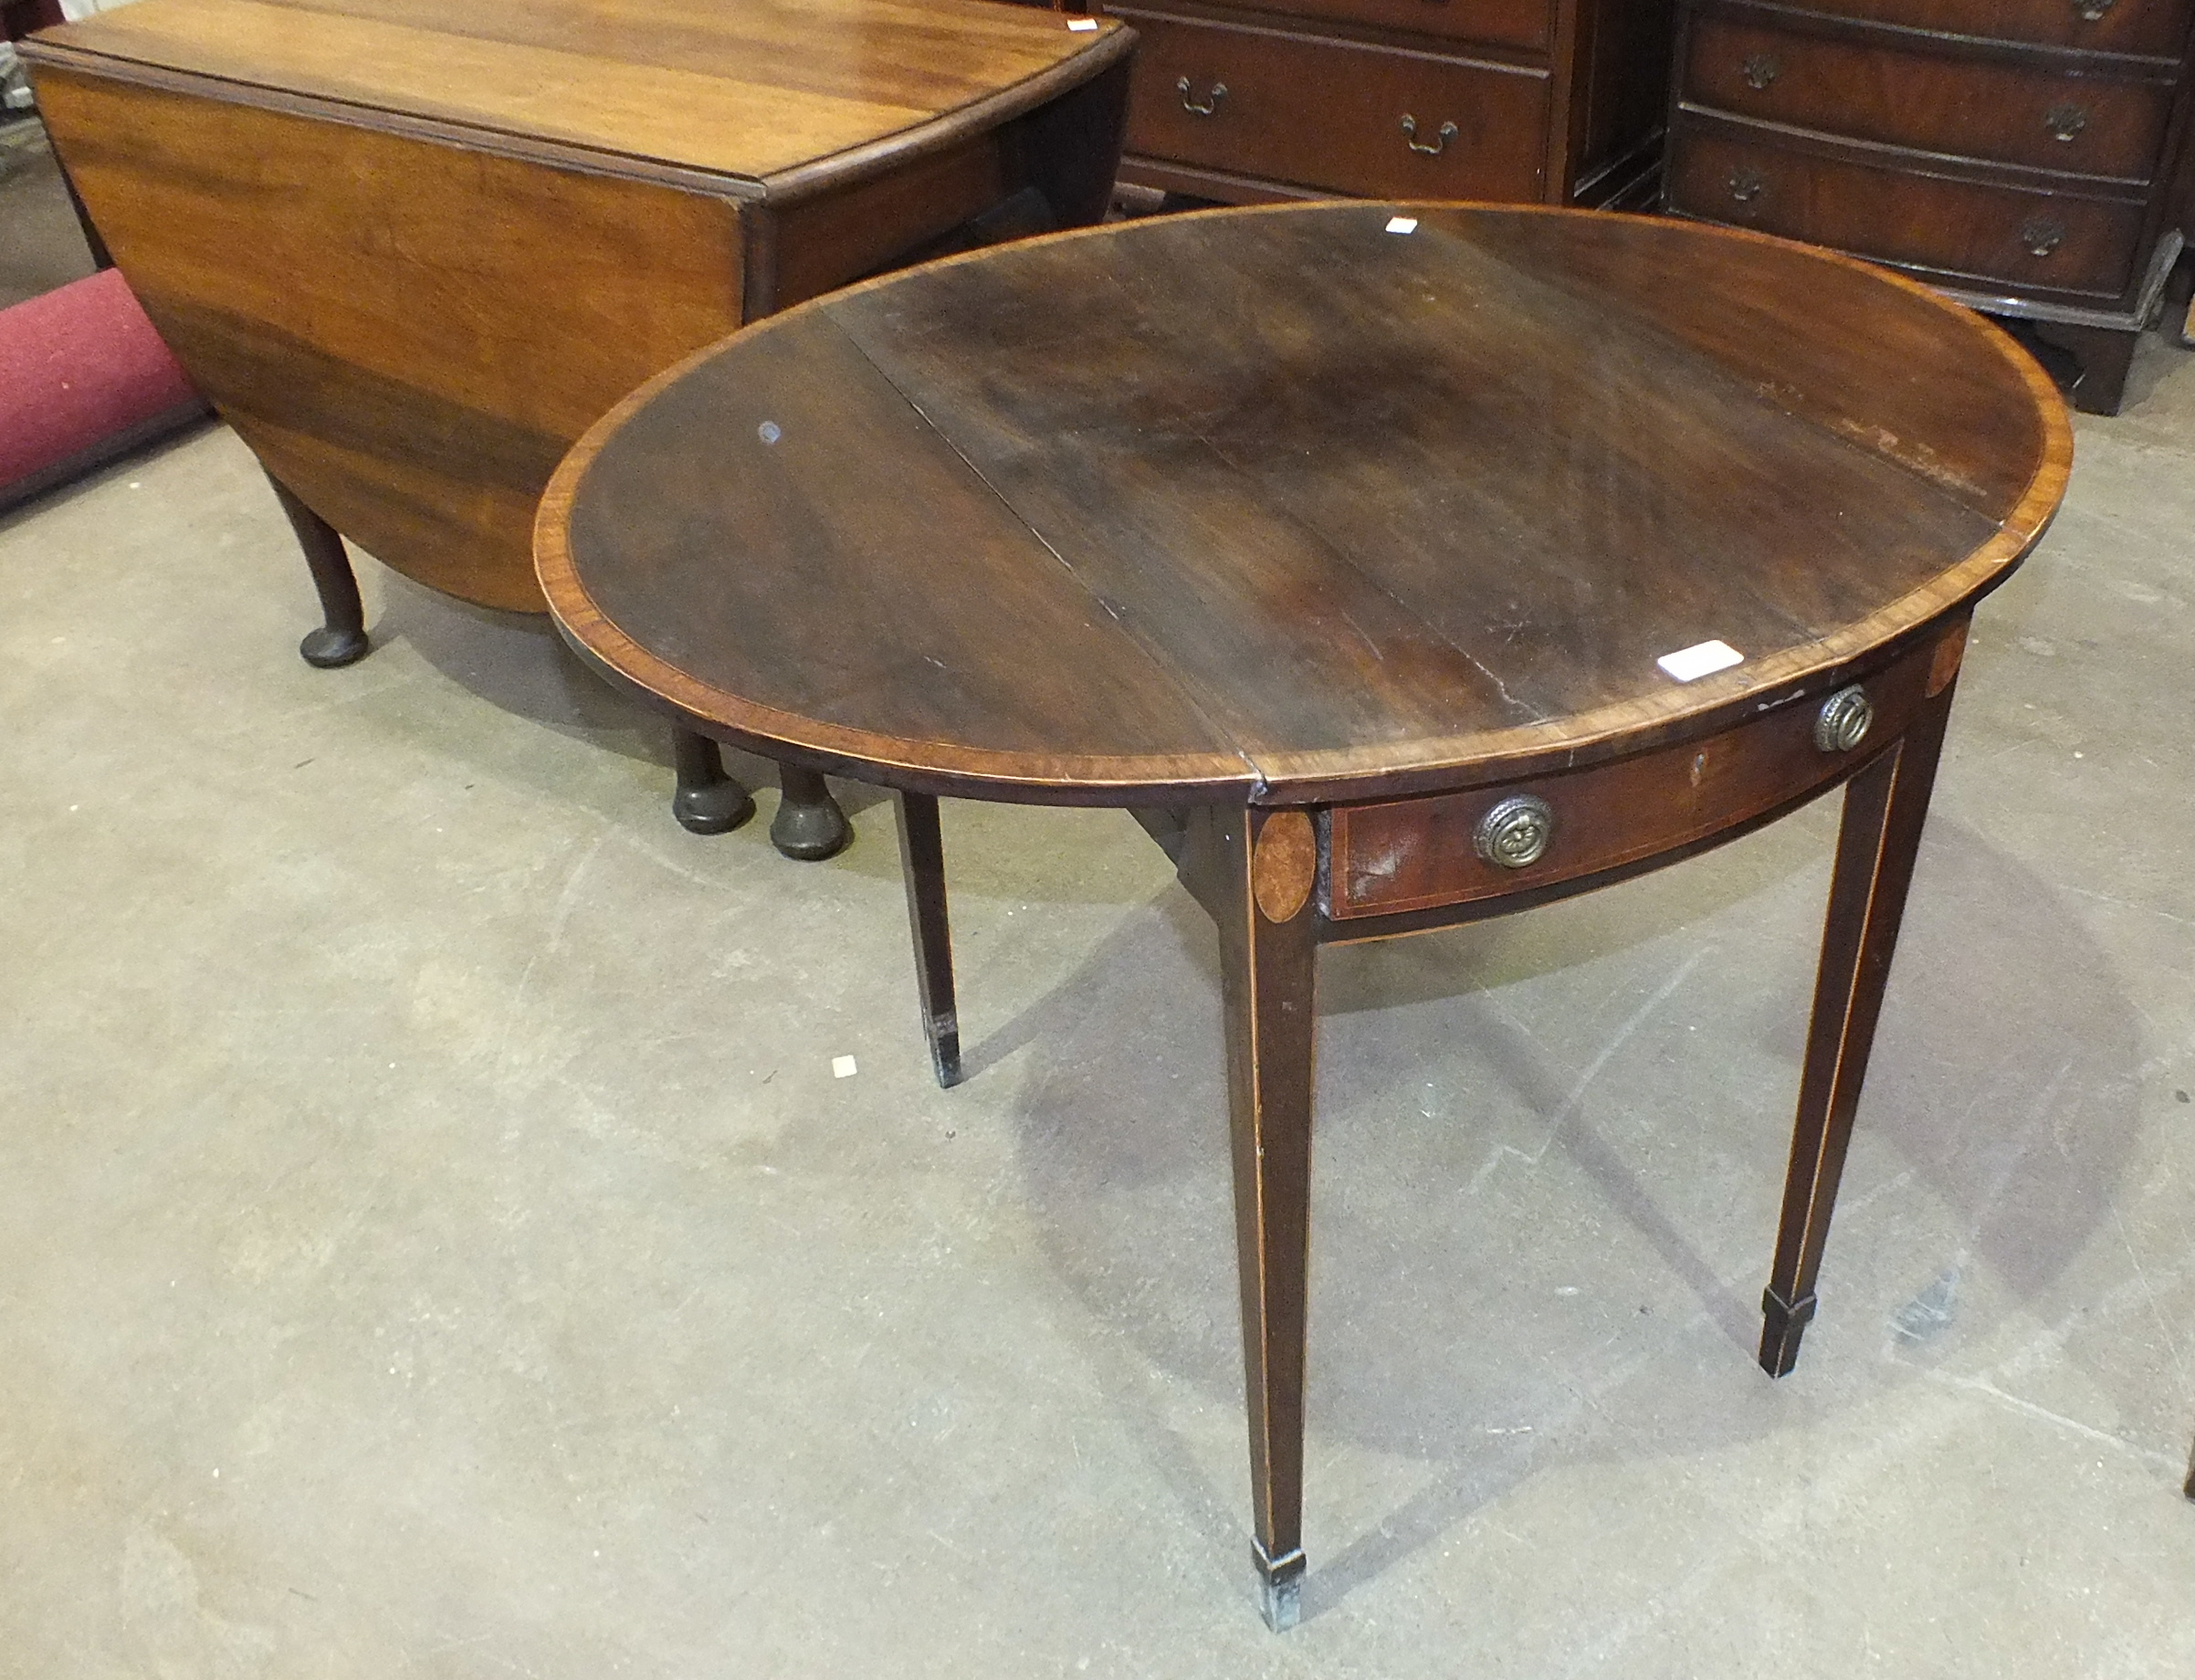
<point>707,801</point>
<point>809,826</point>
<point>341,639</point>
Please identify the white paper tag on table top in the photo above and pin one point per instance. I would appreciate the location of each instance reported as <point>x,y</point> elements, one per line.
<point>1403,225</point>
<point>1079,23</point>
<point>1701,659</point>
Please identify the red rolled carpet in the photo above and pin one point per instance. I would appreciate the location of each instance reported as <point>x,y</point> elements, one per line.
<point>83,379</point>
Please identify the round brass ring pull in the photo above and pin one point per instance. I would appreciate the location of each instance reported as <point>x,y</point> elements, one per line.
<point>1844,720</point>
<point>1516,832</point>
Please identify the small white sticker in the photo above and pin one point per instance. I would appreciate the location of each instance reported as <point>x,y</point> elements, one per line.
<point>1082,26</point>
<point>1403,225</point>
<point>1703,660</point>
<point>842,1068</point>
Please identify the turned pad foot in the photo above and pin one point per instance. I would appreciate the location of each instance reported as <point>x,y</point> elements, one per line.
<point>716,809</point>
<point>326,649</point>
<point>809,826</point>
<point>1279,1587</point>
<point>1783,1323</point>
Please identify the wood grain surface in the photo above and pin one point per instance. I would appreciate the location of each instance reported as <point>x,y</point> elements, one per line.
<point>411,321</point>
<point>1278,500</point>
<point>1877,92</point>
<point>1283,112</point>
<point>2095,26</point>
<point>746,90</point>
<point>407,335</point>
<point>2077,244</point>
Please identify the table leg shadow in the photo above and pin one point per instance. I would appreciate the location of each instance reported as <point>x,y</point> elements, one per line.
<point>810,825</point>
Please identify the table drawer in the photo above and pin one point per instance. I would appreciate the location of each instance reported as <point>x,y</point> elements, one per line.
<point>2027,240</point>
<point>1421,854</point>
<point>2083,124</point>
<point>2098,26</point>
<point>1331,115</point>
<point>1501,23</point>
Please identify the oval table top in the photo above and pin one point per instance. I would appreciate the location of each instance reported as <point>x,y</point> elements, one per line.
<point>1298,504</point>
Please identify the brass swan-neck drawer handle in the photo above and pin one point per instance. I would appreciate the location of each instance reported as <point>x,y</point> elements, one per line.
<point>2065,123</point>
<point>1761,70</point>
<point>1446,132</point>
<point>1747,184</point>
<point>1211,101</point>
<point>2041,235</point>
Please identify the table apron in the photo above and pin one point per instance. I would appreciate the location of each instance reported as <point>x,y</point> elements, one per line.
<point>1389,865</point>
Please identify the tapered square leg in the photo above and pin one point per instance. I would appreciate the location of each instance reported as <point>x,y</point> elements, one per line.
<point>922,865</point>
<point>707,801</point>
<point>1258,878</point>
<point>342,637</point>
<point>1885,807</point>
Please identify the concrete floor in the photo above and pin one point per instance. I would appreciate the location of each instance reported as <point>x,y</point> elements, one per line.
<point>433,1241</point>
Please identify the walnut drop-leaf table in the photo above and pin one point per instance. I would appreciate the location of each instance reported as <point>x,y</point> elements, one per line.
<point>1398,566</point>
<point>412,249</point>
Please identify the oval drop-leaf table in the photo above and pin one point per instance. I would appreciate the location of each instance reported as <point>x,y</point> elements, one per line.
<point>1397,566</point>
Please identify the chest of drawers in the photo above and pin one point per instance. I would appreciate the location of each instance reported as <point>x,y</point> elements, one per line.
<point>1557,101</point>
<point>2028,157</point>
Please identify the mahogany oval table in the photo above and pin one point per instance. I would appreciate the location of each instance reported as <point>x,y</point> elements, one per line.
<point>1398,566</point>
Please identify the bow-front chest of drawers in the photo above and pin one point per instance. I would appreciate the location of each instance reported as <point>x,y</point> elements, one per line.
<point>2026,157</point>
<point>1556,102</point>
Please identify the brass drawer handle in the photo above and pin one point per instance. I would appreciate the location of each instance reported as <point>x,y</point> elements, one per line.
<point>1747,184</point>
<point>2092,11</point>
<point>1440,141</point>
<point>2041,235</point>
<point>1844,720</point>
<point>1516,833</point>
<point>1761,70</point>
<point>1212,100</point>
<point>2066,121</point>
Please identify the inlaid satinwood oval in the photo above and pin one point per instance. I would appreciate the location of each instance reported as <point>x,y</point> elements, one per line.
<point>1285,865</point>
<point>1282,505</point>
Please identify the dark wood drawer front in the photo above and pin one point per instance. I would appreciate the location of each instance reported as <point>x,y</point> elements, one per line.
<point>2100,25</point>
<point>2046,121</point>
<point>1419,853</point>
<point>1329,114</point>
<point>2030,241</point>
<point>1501,23</point>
